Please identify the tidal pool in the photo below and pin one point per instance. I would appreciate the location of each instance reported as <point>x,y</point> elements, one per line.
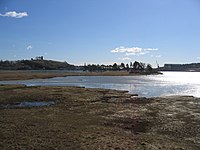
<point>26,104</point>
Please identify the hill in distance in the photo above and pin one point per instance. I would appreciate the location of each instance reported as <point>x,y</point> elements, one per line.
<point>35,64</point>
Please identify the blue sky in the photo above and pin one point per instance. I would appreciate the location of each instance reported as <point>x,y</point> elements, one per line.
<point>101,31</point>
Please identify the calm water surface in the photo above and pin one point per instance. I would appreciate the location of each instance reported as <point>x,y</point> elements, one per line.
<point>170,83</point>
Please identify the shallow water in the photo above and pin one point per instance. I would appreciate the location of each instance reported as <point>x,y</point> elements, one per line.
<point>170,83</point>
<point>27,104</point>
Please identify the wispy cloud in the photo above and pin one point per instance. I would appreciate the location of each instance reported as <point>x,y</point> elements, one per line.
<point>122,49</point>
<point>125,58</point>
<point>156,56</point>
<point>150,49</point>
<point>15,14</point>
<point>133,50</point>
<point>29,47</point>
<point>198,58</point>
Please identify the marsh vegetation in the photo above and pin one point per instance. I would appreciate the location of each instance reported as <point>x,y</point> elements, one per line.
<point>97,119</point>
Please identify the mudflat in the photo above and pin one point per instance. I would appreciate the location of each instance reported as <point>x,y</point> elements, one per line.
<point>83,118</point>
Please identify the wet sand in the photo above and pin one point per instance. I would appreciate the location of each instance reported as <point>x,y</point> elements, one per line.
<point>97,119</point>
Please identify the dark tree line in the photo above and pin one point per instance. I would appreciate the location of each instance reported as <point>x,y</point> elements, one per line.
<point>132,67</point>
<point>141,67</point>
<point>114,67</point>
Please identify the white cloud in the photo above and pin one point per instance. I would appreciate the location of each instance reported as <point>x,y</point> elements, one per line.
<point>125,58</point>
<point>198,58</point>
<point>14,14</point>
<point>29,47</point>
<point>126,50</point>
<point>132,50</point>
<point>151,49</point>
<point>143,53</point>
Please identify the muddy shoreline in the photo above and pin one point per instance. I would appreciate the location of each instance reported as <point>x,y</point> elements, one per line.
<point>97,119</point>
<point>25,75</point>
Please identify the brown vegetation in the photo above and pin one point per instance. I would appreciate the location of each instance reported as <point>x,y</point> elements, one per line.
<point>24,75</point>
<point>97,119</point>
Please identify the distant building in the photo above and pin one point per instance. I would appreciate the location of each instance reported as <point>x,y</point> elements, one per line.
<point>38,58</point>
<point>172,66</point>
<point>181,67</point>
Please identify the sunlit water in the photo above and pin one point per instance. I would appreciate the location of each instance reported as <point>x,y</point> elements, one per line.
<point>170,83</point>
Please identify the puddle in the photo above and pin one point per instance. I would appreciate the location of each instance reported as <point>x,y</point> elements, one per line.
<point>26,104</point>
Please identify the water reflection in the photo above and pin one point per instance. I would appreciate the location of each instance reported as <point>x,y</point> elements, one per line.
<point>170,83</point>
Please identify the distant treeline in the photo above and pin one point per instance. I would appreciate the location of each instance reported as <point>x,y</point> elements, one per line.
<point>41,64</point>
<point>133,66</point>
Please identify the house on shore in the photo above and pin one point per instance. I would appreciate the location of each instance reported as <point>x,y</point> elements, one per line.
<point>38,58</point>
